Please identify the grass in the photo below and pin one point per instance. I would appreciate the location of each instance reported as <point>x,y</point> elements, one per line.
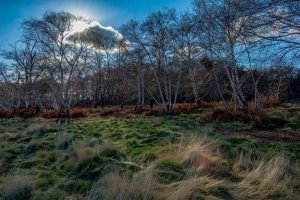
<point>163,157</point>
<point>18,188</point>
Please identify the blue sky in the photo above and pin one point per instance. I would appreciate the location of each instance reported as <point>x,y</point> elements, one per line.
<point>108,12</point>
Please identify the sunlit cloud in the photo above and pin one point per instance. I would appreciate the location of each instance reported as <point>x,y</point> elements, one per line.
<point>79,26</point>
<point>94,33</point>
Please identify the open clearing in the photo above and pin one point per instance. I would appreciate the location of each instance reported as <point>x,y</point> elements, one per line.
<point>146,157</point>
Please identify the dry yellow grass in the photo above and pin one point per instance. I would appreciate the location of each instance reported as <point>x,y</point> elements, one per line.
<point>259,179</point>
<point>182,190</point>
<point>122,187</point>
<point>268,180</point>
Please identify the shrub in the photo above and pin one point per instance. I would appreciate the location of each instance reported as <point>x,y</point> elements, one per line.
<point>269,102</point>
<point>18,188</point>
<point>185,108</point>
<point>132,110</point>
<point>268,123</point>
<point>154,112</point>
<point>50,113</point>
<point>7,113</point>
<point>258,119</point>
<point>212,104</point>
<point>26,113</point>
<point>109,111</point>
<point>221,115</point>
<point>80,112</point>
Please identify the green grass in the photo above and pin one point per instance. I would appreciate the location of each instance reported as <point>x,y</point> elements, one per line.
<point>56,159</point>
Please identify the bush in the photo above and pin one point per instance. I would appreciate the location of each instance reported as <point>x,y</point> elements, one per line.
<point>269,102</point>
<point>26,113</point>
<point>7,113</point>
<point>268,123</point>
<point>221,115</point>
<point>154,112</point>
<point>257,119</point>
<point>131,110</point>
<point>50,113</point>
<point>185,108</point>
<point>80,112</point>
<point>109,111</point>
<point>19,188</point>
<point>212,104</point>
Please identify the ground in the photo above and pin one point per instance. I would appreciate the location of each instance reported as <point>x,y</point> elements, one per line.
<point>182,156</point>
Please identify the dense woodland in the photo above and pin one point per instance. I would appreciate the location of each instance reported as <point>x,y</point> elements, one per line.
<point>221,50</point>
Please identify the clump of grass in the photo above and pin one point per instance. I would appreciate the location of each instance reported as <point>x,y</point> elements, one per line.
<point>268,180</point>
<point>33,146</point>
<point>207,174</point>
<point>196,153</point>
<point>294,123</point>
<point>170,170</point>
<point>75,186</point>
<point>113,153</point>
<point>18,188</point>
<point>63,140</point>
<point>98,160</point>
<point>182,189</point>
<point>91,168</point>
<point>83,153</point>
<point>40,128</point>
<point>50,194</point>
<point>117,186</point>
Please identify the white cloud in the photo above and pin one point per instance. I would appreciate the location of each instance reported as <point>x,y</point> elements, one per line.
<point>95,33</point>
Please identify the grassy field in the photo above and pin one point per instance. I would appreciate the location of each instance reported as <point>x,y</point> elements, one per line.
<point>143,157</point>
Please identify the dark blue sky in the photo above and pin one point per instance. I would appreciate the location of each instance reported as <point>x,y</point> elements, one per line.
<point>107,12</point>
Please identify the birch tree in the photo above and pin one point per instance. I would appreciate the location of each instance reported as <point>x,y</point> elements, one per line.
<point>159,36</point>
<point>62,53</point>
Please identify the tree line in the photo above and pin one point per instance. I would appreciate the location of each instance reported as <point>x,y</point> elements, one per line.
<point>222,50</point>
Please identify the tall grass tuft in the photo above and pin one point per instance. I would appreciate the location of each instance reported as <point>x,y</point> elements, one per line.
<point>122,187</point>
<point>268,180</point>
<point>18,188</point>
